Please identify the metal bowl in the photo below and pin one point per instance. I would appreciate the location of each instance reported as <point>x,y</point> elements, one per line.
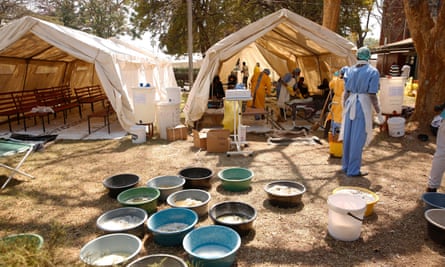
<point>285,193</point>
<point>167,185</point>
<point>128,220</point>
<point>197,177</point>
<point>436,225</point>
<point>119,183</point>
<point>237,215</point>
<point>159,260</point>
<point>194,199</point>
<point>111,250</point>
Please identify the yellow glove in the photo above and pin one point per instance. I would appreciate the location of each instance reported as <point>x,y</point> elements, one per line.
<point>290,90</point>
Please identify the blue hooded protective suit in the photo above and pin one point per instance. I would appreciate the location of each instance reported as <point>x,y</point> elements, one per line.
<point>356,130</point>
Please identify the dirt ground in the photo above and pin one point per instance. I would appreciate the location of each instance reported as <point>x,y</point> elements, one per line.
<point>67,197</point>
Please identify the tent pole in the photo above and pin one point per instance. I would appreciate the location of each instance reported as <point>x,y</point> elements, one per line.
<point>26,74</point>
<point>190,41</point>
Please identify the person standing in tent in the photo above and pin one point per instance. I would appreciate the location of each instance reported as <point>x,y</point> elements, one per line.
<point>216,89</point>
<point>285,90</point>
<point>296,73</point>
<point>257,68</point>
<point>360,96</point>
<point>245,71</point>
<point>337,86</point>
<point>261,85</point>
<point>232,80</point>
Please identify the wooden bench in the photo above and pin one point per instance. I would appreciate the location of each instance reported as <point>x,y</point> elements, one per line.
<point>90,95</point>
<point>58,98</point>
<point>26,102</point>
<point>104,113</point>
<point>8,107</point>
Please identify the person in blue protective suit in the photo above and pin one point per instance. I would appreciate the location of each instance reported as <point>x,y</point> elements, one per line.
<point>361,87</point>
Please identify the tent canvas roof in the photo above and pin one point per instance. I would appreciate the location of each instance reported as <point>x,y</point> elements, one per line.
<point>118,66</point>
<point>282,40</point>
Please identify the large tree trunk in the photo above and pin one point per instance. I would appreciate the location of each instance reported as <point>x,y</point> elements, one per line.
<point>428,35</point>
<point>331,13</point>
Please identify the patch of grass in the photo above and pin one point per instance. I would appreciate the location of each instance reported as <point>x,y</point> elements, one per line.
<point>24,251</point>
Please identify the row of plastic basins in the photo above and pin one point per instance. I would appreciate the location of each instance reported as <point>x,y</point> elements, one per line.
<point>206,246</point>
<point>190,178</point>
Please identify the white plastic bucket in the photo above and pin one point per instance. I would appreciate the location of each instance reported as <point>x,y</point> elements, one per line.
<point>346,213</point>
<point>167,115</point>
<point>391,94</point>
<point>138,134</point>
<point>144,99</point>
<point>396,126</point>
<point>173,95</point>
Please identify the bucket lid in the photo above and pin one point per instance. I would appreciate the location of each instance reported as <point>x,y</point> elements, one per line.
<point>344,203</point>
<point>396,120</point>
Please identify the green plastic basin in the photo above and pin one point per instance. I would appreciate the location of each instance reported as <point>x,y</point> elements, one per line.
<point>236,179</point>
<point>142,197</point>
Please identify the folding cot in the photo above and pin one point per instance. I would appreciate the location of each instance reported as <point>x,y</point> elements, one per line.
<point>11,147</point>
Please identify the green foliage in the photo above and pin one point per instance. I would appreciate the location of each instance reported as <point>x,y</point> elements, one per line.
<point>351,13</point>
<point>104,18</point>
<point>12,9</point>
<point>371,42</point>
<point>215,19</point>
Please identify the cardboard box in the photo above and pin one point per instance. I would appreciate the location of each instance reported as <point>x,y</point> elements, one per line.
<point>178,132</point>
<point>218,140</point>
<point>200,138</point>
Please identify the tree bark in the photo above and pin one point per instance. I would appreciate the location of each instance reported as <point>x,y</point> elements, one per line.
<point>428,35</point>
<point>331,13</point>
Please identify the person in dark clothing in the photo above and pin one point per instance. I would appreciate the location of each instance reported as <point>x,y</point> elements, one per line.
<point>232,80</point>
<point>324,86</point>
<point>302,87</point>
<point>216,88</point>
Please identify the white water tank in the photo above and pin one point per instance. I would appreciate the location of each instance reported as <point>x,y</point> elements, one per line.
<point>173,95</point>
<point>391,94</point>
<point>144,101</point>
<point>167,115</point>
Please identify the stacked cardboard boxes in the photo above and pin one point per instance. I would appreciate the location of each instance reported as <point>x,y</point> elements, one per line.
<point>178,132</point>
<point>212,139</point>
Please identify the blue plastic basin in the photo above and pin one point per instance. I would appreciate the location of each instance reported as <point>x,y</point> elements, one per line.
<point>434,200</point>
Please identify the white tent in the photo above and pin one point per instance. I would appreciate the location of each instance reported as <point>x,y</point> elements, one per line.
<point>38,54</point>
<point>280,41</point>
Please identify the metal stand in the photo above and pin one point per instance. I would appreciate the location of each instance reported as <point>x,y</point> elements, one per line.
<point>236,122</point>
